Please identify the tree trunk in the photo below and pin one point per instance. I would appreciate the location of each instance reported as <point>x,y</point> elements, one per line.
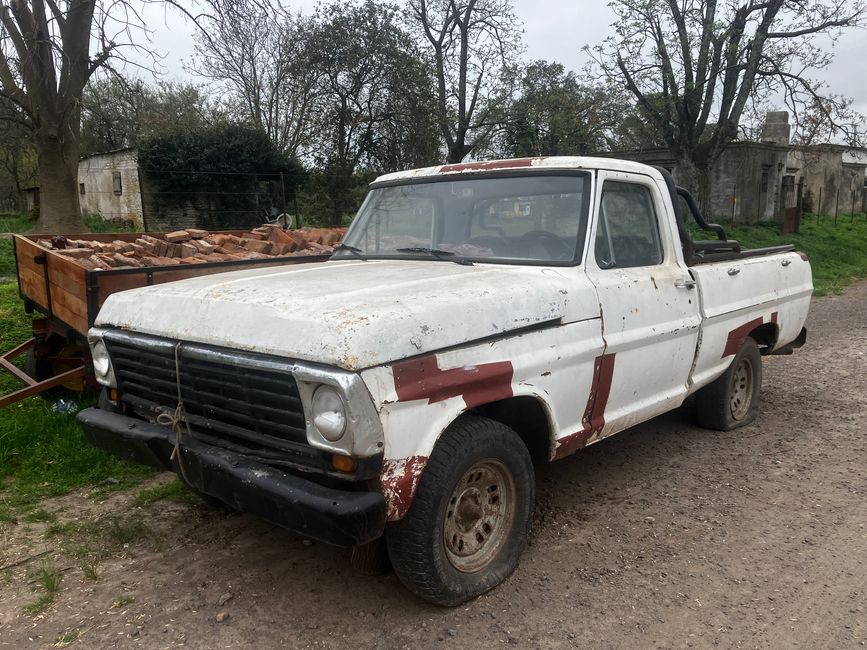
<point>694,175</point>
<point>59,209</point>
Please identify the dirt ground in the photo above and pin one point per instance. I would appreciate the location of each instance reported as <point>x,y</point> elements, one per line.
<point>665,536</point>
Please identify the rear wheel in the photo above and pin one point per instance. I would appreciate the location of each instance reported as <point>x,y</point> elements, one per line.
<point>469,521</point>
<point>733,399</point>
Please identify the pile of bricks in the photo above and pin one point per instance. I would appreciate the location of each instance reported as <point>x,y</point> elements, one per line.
<point>194,246</point>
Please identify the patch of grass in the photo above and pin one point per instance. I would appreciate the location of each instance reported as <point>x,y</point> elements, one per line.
<point>89,571</point>
<point>175,491</point>
<point>96,223</point>
<point>46,455</point>
<point>48,577</point>
<point>122,601</point>
<point>39,516</point>
<point>7,261</point>
<point>39,605</point>
<point>123,530</point>
<point>15,222</point>
<point>62,528</point>
<point>66,638</point>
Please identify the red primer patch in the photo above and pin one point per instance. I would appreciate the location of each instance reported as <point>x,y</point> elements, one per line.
<point>739,334</point>
<point>480,384</point>
<point>398,482</point>
<point>594,412</point>
<point>803,256</point>
<point>486,166</point>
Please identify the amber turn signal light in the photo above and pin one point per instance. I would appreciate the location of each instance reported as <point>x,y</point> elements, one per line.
<point>343,463</point>
<point>113,395</point>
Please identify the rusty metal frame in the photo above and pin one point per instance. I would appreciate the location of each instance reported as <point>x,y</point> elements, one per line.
<point>33,387</point>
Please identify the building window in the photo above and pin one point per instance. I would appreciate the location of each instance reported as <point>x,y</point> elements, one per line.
<point>116,183</point>
<point>81,189</point>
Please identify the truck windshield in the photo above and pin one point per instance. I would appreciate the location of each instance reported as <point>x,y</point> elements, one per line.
<point>532,219</point>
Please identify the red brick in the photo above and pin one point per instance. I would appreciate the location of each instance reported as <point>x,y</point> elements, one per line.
<point>178,236</point>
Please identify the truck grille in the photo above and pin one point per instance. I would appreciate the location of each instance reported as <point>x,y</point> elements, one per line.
<point>254,405</point>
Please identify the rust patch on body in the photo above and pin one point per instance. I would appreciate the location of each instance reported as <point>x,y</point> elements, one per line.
<point>479,384</point>
<point>489,165</point>
<point>738,335</point>
<point>398,482</point>
<point>594,412</point>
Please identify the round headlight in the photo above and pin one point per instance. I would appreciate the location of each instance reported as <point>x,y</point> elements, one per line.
<point>329,413</point>
<point>101,363</point>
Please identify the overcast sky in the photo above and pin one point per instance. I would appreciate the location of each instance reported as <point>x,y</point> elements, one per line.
<point>555,30</point>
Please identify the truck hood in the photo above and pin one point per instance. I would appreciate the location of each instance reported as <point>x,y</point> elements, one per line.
<point>352,314</point>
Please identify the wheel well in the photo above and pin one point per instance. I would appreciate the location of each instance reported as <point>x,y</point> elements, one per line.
<point>528,418</point>
<point>766,336</point>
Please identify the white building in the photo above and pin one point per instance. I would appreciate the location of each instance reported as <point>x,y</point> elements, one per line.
<point>108,184</point>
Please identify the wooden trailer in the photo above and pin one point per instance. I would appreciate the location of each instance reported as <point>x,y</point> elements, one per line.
<point>69,297</point>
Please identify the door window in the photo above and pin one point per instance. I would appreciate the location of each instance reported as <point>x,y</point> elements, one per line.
<point>627,234</point>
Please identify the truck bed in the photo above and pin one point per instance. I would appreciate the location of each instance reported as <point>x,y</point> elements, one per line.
<point>71,295</point>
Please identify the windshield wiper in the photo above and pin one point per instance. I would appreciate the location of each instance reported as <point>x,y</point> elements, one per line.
<point>352,249</point>
<point>436,252</point>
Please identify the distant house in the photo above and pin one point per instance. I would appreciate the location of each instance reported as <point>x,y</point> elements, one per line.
<point>108,184</point>
<point>760,181</point>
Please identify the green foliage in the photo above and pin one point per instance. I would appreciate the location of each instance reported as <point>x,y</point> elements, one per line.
<point>555,115</point>
<point>15,222</point>
<point>230,172</point>
<point>48,577</point>
<point>7,262</point>
<point>117,111</point>
<point>176,491</point>
<point>97,223</point>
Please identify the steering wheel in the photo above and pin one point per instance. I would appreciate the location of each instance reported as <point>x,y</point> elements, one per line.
<point>553,245</point>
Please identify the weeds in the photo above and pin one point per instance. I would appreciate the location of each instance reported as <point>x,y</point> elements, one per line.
<point>39,516</point>
<point>66,638</point>
<point>89,571</point>
<point>48,577</point>
<point>122,601</point>
<point>175,491</point>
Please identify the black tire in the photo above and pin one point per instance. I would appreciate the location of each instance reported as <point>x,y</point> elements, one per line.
<point>732,400</point>
<point>37,369</point>
<point>431,547</point>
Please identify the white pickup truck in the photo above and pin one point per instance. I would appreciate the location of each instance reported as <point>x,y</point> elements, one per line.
<point>478,318</point>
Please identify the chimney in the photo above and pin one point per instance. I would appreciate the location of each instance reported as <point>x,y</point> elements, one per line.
<point>777,128</point>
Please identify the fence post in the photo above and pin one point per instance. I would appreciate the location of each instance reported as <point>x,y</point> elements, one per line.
<point>734,199</point>
<point>819,210</point>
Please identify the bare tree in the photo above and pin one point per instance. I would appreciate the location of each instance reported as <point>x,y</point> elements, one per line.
<point>694,66</point>
<point>474,45</point>
<point>257,55</point>
<point>45,62</point>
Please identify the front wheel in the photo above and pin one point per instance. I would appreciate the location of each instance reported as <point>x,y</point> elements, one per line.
<point>733,400</point>
<point>469,521</point>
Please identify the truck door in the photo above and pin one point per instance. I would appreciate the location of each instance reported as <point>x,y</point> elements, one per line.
<point>648,299</point>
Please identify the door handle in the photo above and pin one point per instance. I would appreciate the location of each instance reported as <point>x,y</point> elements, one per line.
<point>684,284</point>
<point>734,271</point>
<point>786,262</point>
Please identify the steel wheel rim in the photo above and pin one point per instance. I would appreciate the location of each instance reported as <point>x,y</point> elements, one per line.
<point>741,390</point>
<point>479,516</point>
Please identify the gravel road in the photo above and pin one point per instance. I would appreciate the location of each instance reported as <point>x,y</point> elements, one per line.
<point>665,536</point>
